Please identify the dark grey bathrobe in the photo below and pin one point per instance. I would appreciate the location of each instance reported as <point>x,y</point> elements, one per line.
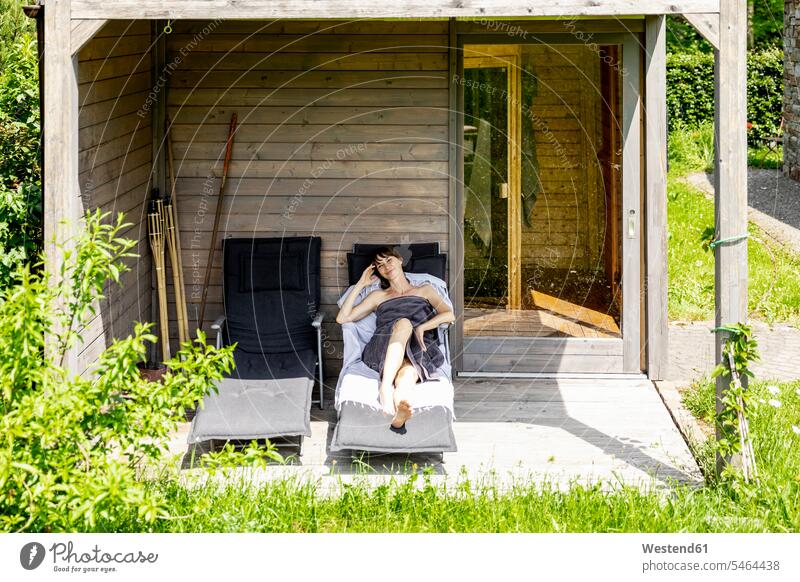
<point>417,310</point>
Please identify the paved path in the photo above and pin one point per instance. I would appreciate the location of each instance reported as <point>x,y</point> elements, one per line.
<point>691,351</point>
<point>774,202</point>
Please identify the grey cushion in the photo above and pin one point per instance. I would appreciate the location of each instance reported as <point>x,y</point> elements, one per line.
<point>363,428</point>
<point>256,408</point>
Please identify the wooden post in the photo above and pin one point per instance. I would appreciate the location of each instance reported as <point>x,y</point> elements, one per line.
<point>631,205</point>
<point>730,197</point>
<point>62,194</point>
<point>656,195</point>
<point>514,178</point>
<point>158,60</point>
<point>456,206</point>
<point>158,112</point>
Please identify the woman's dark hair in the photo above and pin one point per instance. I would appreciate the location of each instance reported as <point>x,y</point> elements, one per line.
<point>384,253</point>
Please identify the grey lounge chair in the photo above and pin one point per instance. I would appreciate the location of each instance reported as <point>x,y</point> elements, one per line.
<point>271,293</point>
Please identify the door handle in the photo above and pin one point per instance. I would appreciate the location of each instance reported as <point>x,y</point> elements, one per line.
<point>631,223</point>
<point>503,190</point>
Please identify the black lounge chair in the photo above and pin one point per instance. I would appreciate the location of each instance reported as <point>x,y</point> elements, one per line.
<point>271,294</point>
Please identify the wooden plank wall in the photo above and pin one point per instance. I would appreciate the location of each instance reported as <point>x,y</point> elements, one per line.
<point>115,158</point>
<point>568,218</point>
<point>343,133</point>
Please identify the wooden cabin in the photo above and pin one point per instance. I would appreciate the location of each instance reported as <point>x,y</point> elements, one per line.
<point>527,139</point>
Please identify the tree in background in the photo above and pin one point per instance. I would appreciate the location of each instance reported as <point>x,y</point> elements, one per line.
<point>766,25</point>
<point>14,25</point>
<point>20,152</point>
<point>765,29</point>
<point>690,73</point>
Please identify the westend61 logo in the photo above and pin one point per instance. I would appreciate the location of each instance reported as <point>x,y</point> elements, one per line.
<point>66,559</point>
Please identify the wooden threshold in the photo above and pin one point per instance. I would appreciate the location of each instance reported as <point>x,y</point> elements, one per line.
<point>533,357</point>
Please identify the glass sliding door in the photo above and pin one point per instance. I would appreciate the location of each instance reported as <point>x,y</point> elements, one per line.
<point>542,208</point>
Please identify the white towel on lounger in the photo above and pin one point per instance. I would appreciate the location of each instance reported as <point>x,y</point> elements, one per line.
<point>358,383</point>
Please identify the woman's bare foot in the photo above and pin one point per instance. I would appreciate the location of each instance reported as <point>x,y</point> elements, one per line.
<point>387,400</point>
<point>404,412</point>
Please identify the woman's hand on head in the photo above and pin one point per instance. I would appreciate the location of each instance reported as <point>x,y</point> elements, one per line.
<point>367,277</point>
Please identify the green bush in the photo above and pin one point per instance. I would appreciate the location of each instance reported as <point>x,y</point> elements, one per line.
<point>74,449</point>
<point>690,91</point>
<point>20,169</point>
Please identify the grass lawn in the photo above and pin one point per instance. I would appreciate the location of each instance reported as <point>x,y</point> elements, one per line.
<point>774,416</point>
<point>774,292</point>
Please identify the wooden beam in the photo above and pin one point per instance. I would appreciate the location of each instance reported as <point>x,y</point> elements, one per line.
<point>707,25</point>
<point>83,31</point>
<point>158,113</point>
<point>63,208</point>
<point>656,195</point>
<point>268,9</point>
<point>571,26</point>
<point>631,204</point>
<point>730,195</point>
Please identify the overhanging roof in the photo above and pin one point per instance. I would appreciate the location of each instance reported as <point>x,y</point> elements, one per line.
<point>262,9</point>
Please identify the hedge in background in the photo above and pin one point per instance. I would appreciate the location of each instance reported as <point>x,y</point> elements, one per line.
<point>690,90</point>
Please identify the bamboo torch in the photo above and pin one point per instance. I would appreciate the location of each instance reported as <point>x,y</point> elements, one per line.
<point>177,280</point>
<point>177,261</point>
<point>156,228</point>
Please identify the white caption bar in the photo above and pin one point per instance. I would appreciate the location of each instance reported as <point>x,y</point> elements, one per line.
<point>378,557</point>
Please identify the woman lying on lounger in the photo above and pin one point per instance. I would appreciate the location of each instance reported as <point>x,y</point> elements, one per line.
<point>402,311</point>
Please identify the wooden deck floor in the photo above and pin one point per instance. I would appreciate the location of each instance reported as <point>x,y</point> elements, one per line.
<point>531,323</point>
<point>513,432</point>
